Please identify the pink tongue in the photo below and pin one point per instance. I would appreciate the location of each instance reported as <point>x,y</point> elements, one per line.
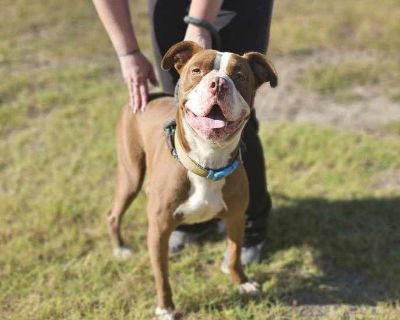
<point>207,123</point>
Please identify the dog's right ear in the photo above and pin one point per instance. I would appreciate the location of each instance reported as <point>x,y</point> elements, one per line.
<point>179,54</point>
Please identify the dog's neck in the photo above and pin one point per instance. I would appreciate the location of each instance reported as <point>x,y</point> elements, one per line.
<point>209,154</point>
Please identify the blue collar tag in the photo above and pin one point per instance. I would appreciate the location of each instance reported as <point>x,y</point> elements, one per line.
<point>219,174</point>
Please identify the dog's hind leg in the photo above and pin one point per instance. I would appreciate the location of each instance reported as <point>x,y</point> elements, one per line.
<point>130,174</point>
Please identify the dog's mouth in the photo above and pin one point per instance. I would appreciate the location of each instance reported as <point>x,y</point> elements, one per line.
<point>215,119</point>
<point>216,113</point>
<point>214,124</point>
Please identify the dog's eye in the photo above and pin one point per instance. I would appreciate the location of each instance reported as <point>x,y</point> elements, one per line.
<point>240,76</point>
<point>196,70</point>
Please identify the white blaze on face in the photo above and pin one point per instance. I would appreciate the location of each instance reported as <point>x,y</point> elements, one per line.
<point>199,99</point>
<point>225,57</point>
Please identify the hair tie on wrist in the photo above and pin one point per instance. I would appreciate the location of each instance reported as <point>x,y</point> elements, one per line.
<point>129,53</point>
<point>205,25</point>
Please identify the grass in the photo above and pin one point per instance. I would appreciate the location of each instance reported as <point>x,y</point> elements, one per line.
<point>393,127</point>
<point>301,26</point>
<point>342,80</point>
<point>358,27</point>
<point>333,235</point>
<point>339,80</point>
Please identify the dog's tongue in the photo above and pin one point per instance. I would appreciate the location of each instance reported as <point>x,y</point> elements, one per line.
<point>208,123</point>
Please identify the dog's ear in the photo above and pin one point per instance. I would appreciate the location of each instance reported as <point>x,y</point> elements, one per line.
<point>179,54</point>
<point>262,68</point>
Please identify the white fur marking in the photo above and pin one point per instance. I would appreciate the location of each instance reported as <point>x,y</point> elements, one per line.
<point>122,253</point>
<point>165,314</point>
<point>205,200</point>
<point>226,56</point>
<point>250,287</point>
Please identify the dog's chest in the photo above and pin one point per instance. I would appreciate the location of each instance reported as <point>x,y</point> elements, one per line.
<point>205,200</point>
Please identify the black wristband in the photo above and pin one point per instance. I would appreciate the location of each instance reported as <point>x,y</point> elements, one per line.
<point>205,25</point>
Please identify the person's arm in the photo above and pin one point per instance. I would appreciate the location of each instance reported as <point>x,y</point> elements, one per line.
<point>206,10</point>
<point>136,69</point>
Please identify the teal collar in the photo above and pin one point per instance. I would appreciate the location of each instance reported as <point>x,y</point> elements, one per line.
<point>218,174</point>
<point>178,151</point>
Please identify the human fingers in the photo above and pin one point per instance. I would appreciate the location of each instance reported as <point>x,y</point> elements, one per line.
<point>131,98</point>
<point>143,95</point>
<point>136,97</point>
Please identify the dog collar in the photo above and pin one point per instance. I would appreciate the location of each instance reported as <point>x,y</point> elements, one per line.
<point>178,151</point>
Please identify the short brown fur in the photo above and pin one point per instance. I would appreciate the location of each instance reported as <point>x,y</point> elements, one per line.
<point>141,148</point>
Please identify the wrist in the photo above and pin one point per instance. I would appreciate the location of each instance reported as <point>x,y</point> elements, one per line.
<point>191,28</point>
<point>128,53</point>
<point>204,31</point>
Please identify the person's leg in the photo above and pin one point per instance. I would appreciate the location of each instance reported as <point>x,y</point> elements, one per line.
<point>260,200</point>
<point>252,18</point>
<point>168,28</point>
<point>249,31</point>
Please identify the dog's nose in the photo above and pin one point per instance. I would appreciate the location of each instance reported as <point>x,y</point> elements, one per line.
<point>217,85</point>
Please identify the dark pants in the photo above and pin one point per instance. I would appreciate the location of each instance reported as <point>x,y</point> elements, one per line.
<point>245,28</point>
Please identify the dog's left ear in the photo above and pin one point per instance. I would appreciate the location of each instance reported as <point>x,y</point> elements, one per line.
<point>263,69</point>
<point>179,54</point>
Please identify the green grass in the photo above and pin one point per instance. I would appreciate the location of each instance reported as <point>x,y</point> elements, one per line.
<point>301,26</point>
<point>393,127</point>
<point>360,26</point>
<point>55,253</point>
<point>333,235</point>
<point>339,80</point>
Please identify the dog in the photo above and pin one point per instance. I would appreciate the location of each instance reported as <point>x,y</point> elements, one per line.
<point>198,174</point>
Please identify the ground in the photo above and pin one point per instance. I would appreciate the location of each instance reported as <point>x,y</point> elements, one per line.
<point>331,135</point>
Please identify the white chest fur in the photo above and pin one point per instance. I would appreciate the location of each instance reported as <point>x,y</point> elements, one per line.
<point>205,200</point>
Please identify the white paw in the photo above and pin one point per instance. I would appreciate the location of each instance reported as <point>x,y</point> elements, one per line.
<point>250,287</point>
<point>165,314</point>
<point>122,253</point>
<point>224,268</point>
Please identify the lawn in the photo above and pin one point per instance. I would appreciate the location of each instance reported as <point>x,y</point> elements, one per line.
<point>333,244</point>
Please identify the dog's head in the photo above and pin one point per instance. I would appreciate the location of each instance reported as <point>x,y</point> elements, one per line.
<point>217,89</point>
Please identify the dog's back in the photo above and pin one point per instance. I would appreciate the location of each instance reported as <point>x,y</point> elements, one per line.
<point>144,131</point>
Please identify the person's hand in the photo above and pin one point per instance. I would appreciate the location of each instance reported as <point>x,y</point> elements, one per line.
<point>137,72</point>
<point>199,35</point>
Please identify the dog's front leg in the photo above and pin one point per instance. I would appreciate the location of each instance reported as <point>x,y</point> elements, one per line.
<point>157,240</point>
<point>235,231</point>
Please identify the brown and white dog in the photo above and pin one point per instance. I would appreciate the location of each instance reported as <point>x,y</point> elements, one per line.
<point>215,98</point>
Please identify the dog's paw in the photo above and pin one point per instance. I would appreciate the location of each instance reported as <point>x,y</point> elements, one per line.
<point>122,253</point>
<point>165,314</point>
<point>250,287</point>
<point>224,268</point>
